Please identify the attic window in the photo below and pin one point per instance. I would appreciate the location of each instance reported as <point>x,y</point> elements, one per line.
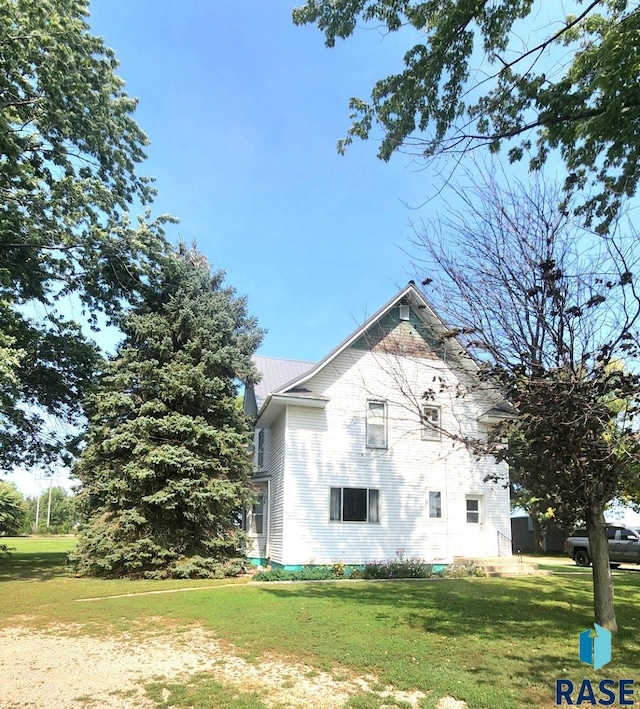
<point>404,312</point>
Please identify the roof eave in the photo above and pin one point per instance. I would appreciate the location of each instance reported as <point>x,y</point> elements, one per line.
<point>492,417</point>
<point>274,404</point>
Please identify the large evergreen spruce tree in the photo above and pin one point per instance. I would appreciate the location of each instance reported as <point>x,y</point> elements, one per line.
<point>165,469</point>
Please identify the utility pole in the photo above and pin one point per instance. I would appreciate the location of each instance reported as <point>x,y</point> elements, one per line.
<point>38,503</point>
<point>37,511</point>
<point>49,504</point>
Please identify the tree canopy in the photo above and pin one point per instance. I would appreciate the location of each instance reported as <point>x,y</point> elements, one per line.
<point>551,315</point>
<point>165,472</point>
<point>13,511</point>
<point>69,152</point>
<point>522,73</point>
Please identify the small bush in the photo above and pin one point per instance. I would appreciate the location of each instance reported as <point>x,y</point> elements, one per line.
<point>339,569</point>
<point>398,568</point>
<point>410,568</point>
<point>307,573</point>
<point>460,571</point>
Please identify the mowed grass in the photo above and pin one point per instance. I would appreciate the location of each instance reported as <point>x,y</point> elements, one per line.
<point>201,692</point>
<point>495,643</point>
<point>35,557</point>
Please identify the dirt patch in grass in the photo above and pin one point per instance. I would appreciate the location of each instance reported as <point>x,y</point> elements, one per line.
<point>64,669</point>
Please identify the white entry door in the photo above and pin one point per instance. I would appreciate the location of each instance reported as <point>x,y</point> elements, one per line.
<point>475,541</point>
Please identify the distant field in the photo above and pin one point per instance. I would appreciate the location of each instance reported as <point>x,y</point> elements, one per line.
<point>30,557</point>
<point>494,643</point>
<point>42,544</point>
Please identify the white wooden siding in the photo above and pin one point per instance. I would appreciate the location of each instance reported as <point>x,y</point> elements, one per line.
<point>327,448</point>
<point>276,463</point>
<point>273,470</point>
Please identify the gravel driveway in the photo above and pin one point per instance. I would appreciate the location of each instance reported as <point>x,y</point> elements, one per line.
<point>63,669</point>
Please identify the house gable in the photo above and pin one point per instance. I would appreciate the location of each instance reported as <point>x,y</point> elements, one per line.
<point>424,332</point>
<point>407,335</point>
<point>406,326</point>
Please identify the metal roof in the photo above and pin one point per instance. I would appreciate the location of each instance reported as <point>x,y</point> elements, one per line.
<point>275,373</point>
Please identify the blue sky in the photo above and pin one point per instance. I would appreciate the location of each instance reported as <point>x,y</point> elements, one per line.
<point>243,110</point>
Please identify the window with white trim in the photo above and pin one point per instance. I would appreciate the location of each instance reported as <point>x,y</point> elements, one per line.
<point>431,430</point>
<point>354,504</point>
<point>473,510</point>
<point>257,516</point>
<point>260,457</point>
<point>376,424</point>
<point>435,504</point>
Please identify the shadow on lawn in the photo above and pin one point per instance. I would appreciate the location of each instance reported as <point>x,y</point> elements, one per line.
<point>39,566</point>
<point>460,608</point>
<point>534,622</point>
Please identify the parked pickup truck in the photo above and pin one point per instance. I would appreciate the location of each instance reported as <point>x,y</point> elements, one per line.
<point>624,546</point>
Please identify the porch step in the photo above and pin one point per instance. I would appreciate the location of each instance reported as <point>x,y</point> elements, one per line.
<point>503,566</point>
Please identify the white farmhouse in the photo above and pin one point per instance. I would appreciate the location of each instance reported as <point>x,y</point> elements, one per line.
<point>353,462</point>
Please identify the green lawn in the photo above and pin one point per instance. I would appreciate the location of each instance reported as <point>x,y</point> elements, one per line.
<point>35,557</point>
<point>496,643</point>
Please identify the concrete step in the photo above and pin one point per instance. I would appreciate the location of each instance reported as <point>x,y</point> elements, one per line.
<point>503,566</point>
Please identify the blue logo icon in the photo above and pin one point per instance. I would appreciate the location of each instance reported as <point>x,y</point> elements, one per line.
<point>595,646</point>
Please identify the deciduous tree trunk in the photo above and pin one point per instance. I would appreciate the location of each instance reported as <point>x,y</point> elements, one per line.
<point>604,611</point>
<point>537,530</point>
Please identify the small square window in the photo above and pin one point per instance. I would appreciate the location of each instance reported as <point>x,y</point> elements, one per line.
<point>431,430</point>
<point>473,510</point>
<point>435,505</point>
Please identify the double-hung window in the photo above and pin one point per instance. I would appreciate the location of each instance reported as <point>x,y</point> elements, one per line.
<point>473,510</point>
<point>431,430</point>
<point>376,424</point>
<point>257,516</point>
<point>435,504</point>
<point>354,504</point>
